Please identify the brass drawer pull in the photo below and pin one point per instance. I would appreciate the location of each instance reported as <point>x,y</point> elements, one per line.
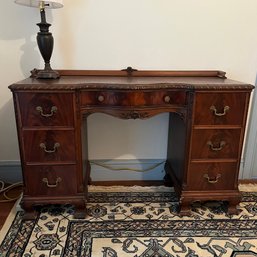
<point>166,99</point>
<point>212,181</point>
<point>40,110</point>
<point>216,113</point>
<point>210,144</point>
<point>58,180</point>
<point>100,98</point>
<point>43,146</point>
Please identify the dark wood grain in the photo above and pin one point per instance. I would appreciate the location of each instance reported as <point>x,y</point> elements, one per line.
<point>222,172</point>
<point>201,149</point>
<point>70,83</point>
<point>29,102</point>
<point>34,153</point>
<point>139,98</point>
<point>187,96</point>
<point>205,116</point>
<point>142,73</point>
<point>67,185</point>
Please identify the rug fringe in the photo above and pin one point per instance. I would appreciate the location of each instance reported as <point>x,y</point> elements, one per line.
<point>91,188</point>
<point>248,187</point>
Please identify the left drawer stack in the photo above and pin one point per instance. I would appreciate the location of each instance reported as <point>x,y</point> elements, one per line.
<point>46,127</point>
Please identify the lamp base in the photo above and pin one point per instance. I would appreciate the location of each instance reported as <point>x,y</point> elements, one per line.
<point>47,74</point>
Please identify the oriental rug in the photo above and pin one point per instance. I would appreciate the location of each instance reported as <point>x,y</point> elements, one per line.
<point>135,224</point>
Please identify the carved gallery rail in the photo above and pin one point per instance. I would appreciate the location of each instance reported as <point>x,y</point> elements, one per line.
<point>207,115</point>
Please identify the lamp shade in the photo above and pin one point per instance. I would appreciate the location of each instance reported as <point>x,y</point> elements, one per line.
<point>52,4</point>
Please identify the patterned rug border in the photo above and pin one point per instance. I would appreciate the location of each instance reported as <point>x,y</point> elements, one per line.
<point>9,220</point>
<point>245,227</point>
<point>248,188</point>
<point>243,254</point>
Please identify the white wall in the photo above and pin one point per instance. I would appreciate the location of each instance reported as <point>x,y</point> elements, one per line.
<point>114,34</point>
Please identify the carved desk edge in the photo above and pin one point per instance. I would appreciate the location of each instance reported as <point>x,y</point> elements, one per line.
<point>77,79</point>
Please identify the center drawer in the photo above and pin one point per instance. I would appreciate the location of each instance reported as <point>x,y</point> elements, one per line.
<point>133,98</point>
<point>49,146</point>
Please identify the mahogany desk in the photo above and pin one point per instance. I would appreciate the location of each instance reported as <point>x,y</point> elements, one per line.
<point>207,115</point>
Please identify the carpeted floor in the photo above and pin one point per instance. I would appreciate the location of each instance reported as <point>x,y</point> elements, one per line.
<point>135,224</point>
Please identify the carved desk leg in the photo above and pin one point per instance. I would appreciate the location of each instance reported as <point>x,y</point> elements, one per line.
<point>167,180</point>
<point>80,209</point>
<point>232,206</point>
<point>30,212</point>
<point>185,207</point>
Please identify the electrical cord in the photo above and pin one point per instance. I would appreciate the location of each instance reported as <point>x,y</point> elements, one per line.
<point>109,167</point>
<point>4,190</point>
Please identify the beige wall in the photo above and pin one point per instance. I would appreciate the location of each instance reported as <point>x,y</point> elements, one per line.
<point>114,34</point>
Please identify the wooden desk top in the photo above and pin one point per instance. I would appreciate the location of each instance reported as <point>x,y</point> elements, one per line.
<point>71,80</point>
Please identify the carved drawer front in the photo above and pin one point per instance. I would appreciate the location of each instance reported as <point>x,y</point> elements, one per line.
<point>212,176</point>
<point>50,180</point>
<point>135,98</point>
<point>215,143</point>
<point>45,109</point>
<point>49,145</point>
<point>220,108</point>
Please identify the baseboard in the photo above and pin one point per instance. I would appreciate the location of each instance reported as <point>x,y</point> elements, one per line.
<point>144,183</point>
<point>10,171</point>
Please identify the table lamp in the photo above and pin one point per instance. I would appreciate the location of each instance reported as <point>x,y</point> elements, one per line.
<point>45,39</point>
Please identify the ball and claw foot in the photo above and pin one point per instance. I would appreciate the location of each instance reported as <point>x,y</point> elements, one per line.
<point>80,214</point>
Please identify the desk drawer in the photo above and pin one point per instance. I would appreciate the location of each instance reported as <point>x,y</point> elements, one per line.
<point>220,108</point>
<point>215,143</point>
<point>49,145</point>
<point>44,109</point>
<point>50,180</point>
<point>212,176</point>
<point>135,98</point>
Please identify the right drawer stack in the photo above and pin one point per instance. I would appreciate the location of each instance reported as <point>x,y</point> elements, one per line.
<point>216,140</point>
